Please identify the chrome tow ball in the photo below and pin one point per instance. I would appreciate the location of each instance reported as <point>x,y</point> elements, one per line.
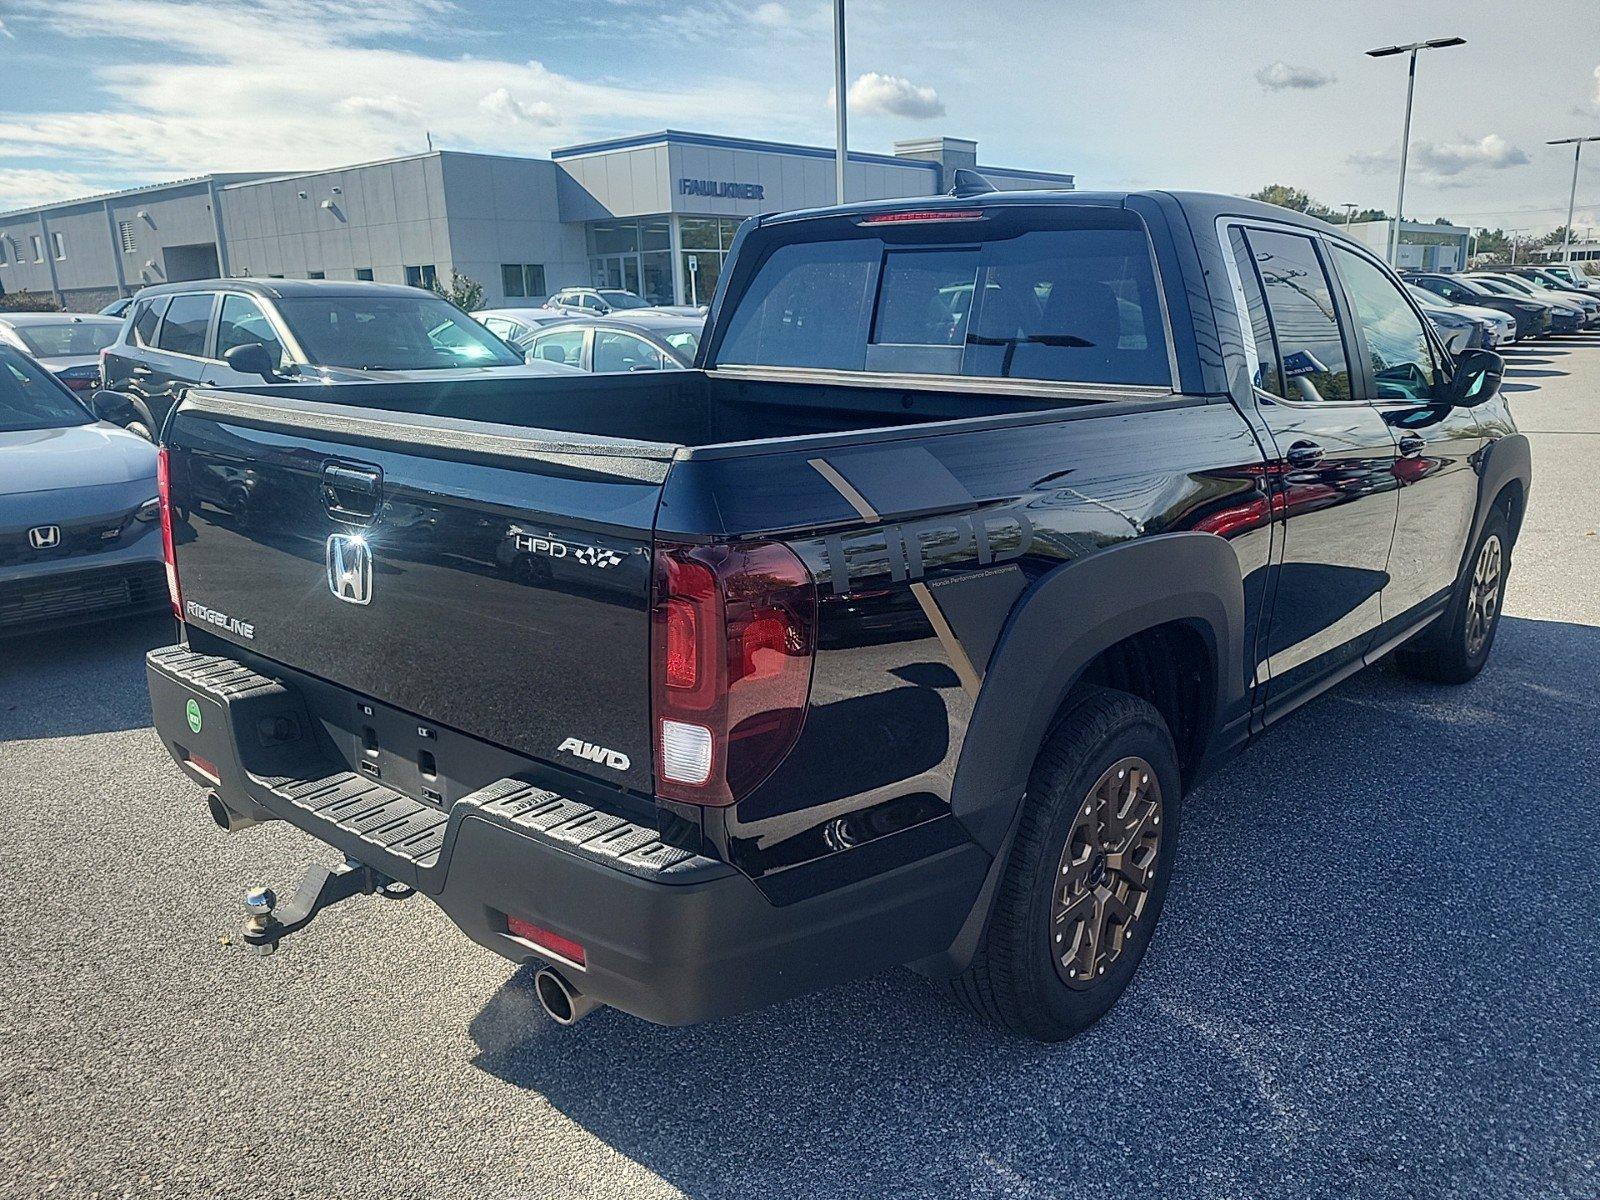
<point>259,923</point>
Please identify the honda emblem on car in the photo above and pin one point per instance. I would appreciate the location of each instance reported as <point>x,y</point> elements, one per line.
<point>44,537</point>
<point>350,568</point>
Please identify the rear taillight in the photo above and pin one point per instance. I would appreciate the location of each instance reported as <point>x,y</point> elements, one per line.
<point>921,216</point>
<point>164,494</point>
<point>733,635</point>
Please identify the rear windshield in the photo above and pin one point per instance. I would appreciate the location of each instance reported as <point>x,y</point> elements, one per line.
<point>993,297</point>
<point>68,338</point>
<point>391,333</point>
<point>31,399</point>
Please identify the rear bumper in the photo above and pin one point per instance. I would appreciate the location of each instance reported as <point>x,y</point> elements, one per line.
<point>670,936</point>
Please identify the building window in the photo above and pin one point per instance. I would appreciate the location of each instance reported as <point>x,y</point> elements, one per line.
<point>38,248</point>
<point>635,256</point>
<point>422,277</point>
<point>316,274</point>
<point>364,274</point>
<point>522,280</point>
<point>705,243</point>
<point>125,236</point>
<point>58,243</point>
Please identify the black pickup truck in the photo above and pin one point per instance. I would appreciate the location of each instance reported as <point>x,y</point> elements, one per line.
<point>894,633</point>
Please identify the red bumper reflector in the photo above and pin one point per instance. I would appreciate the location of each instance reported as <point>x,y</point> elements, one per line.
<point>205,766</point>
<point>545,940</point>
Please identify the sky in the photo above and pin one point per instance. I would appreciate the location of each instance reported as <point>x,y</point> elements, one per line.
<point>1225,96</point>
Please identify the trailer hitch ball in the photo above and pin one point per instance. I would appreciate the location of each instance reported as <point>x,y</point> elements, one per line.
<point>258,905</point>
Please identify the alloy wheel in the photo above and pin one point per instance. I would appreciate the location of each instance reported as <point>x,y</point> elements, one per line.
<point>1106,873</point>
<point>1483,600</point>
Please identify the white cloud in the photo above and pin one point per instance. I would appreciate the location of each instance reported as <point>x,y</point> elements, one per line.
<point>1597,85</point>
<point>773,16</point>
<point>362,82</point>
<point>1449,159</point>
<point>892,96</point>
<point>503,106</point>
<point>23,187</point>
<point>4,32</point>
<point>1278,76</point>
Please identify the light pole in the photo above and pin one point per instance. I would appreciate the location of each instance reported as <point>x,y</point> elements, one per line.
<point>1405,137</point>
<point>1572,196</point>
<point>1349,212</point>
<point>840,153</point>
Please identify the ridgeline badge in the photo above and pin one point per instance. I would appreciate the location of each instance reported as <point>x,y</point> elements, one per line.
<point>192,711</point>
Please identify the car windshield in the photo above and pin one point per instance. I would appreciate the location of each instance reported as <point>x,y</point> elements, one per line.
<point>1497,287</point>
<point>623,300</point>
<point>64,339</point>
<point>31,399</point>
<point>391,333</point>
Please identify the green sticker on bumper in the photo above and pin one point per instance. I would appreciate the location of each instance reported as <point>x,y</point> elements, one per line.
<point>192,709</point>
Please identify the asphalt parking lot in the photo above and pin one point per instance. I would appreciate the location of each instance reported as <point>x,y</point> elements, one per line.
<point>1376,976</point>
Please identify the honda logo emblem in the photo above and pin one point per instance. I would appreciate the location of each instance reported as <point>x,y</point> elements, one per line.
<point>350,568</point>
<point>44,537</point>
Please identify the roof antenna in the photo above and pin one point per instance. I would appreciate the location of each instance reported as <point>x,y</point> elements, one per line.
<point>970,183</point>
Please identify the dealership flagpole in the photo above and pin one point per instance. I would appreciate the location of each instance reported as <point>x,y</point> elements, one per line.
<point>840,152</point>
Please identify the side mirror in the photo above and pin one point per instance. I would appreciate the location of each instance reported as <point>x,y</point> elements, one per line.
<point>252,358</point>
<point>1476,377</point>
<point>108,406</point>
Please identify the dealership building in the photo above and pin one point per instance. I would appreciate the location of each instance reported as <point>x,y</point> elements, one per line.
<point>654,214</point>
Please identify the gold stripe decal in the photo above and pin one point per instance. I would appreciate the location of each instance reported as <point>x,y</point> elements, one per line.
<point>947,638</point>
<point>856,499</point>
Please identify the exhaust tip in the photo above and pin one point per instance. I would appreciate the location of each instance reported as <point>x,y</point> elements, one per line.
<point>562,1003</point>
<point>226,818</point>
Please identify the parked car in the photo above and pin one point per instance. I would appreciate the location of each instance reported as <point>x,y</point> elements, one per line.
<point>879,639</point>
<point>67,344</point>
<point>117,308</point>
<point>1559,284</point>
<point>1493,329</point>
<point>1588,307</point>
<point>1457,330</point>
<point>1534,318</point>
<point>1564,317</point>
<point>644,341</point>
<point>596,302</point>
<point>80,535</point>
<point>239,332</point>
<point>1573,275</point>
<point>517,325</point>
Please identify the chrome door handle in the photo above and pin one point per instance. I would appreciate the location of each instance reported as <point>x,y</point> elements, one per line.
<point>1304,454</point>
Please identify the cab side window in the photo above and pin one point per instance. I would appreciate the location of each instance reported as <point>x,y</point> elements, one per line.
<point>1305,323</point>
<point>564,346</point>
<point>615,351</point>
<point>1402,360</point>
<point>146,316</point>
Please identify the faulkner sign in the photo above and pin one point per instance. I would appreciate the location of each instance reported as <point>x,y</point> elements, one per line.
<point>721,189</point>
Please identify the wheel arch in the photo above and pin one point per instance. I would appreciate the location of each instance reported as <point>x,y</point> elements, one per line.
<point>1095,616</point>
<point>1504,478</point>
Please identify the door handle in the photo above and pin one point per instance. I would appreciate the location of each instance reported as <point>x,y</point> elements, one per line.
<point>350,492</point>
<point>1304,454</point>
<point>1411,446</point>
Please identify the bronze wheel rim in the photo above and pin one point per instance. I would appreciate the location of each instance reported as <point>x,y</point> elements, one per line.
<point>1102,884</point>
<point>1483,600</point>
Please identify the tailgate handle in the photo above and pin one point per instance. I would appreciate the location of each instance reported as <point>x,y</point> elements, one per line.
<point>349,492</point>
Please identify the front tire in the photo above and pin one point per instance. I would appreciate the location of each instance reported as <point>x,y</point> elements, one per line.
<point>1088,871</point>
<point>1455,648</point>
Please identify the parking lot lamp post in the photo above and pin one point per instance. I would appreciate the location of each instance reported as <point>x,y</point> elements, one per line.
<point>1572,197</point>
<point>1405,137</point>
<point>840,153</point>
<point>1349,213</point>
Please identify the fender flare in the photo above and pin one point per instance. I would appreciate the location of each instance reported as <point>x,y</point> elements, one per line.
<point>1505,460</point>
<point>1058,627</point>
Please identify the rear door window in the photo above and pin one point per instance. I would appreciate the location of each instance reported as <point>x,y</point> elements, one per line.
<point>563,346</point>
<point>994,297</point>
<point>146,316</point>
<point>1305,322</point>
<point>184,330</point>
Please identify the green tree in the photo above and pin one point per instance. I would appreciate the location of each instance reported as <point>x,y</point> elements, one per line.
<point>1300,200</point>
<point>464,292</point>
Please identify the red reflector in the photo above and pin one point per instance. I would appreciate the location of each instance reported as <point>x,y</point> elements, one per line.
<point>914,215</point>
<point>682,645</point>
<point>164,493</point>
<point>205,766</point>
<point>545,940</point>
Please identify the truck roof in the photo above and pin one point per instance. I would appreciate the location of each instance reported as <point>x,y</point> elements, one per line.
<point>1200,207</point>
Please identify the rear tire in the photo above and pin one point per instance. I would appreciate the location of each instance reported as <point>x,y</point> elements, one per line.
<point>1455,648</point>
<point>1087,874</point>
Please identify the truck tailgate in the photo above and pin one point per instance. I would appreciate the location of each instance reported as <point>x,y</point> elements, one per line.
<point>487,578</point>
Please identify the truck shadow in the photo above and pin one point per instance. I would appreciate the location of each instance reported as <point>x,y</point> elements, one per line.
<point>81,680</point>
<point>1339,992</point>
